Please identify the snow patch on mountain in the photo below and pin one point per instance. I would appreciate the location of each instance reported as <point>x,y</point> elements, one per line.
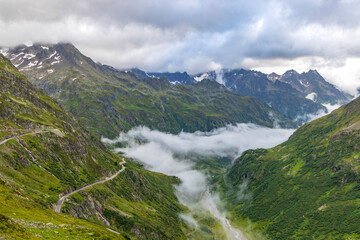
<point>29,66</point>
<point>14,56</point>
<point>32,64</point>
<point>16,65</point>
<point>304,84</point>
<point>175,83</point>
<point>52,55</point>
<point>273,77</point>
<point>29,56</point>
<point>57,59</point>
<point>312,96</point>
<point>153,76</point>
<point>4,51</point>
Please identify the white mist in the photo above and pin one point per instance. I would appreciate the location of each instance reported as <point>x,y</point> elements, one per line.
<point>157,151</point>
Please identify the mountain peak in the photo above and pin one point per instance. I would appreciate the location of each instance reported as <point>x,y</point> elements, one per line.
<point>48,57</point>
<point>6,65</point>
<point>291,71</point>
<point>312,71</point>
<point>311,82</point>
<point>273,76</point>
<point>177,78</point>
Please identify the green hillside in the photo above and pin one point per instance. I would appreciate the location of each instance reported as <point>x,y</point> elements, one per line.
<point>45,153</point>
<point>305,188</point>
<point>108,101</point>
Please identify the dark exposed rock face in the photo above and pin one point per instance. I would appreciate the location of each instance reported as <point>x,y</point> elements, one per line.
<point>289,93</point>
<point>312,82</point>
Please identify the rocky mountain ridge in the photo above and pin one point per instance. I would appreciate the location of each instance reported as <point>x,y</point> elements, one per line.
<point>294,95</point>
<point>108,100</point>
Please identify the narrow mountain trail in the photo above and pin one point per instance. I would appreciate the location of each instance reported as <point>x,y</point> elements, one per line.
<point>29,133</point>
<point>60,134</point>
<point>55,131</point>
<point>63,198</point>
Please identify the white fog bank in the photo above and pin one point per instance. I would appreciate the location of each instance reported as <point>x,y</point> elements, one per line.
<point>230,141</point>
<point>313,116</point>
<point>174,155</point>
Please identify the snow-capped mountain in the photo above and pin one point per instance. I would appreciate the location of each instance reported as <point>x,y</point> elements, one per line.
<point>292,94</point>
<point>174,78</point>
<point>109,100</point>
<point>311,83</point>
<point>41,56</point>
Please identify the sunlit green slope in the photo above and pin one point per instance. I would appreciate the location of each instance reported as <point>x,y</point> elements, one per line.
<point>45,152</point>
<point>305,188</point>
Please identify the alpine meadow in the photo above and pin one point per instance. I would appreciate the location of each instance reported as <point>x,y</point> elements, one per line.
<point>232,120</point>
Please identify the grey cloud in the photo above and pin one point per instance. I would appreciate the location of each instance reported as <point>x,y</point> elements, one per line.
<point>189,35</point>
<point>198,14</point>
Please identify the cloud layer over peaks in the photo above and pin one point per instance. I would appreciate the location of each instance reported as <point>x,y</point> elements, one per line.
<point>198,35</point>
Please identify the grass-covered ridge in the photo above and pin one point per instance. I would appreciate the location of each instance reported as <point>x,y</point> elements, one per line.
<point>108,101</point>
<point>45,152</point>
<point>305,188</point>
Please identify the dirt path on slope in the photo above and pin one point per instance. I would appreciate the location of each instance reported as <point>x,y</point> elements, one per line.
<point>63,198</point>
<point>30,133</point>
<point>55,131</point>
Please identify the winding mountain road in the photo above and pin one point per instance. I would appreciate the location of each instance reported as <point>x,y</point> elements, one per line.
<point>25,134</point>
<point>63,198</point>
<point>56,131</point>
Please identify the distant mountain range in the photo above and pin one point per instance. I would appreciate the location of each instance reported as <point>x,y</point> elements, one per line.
<point>307,83</point>
<point>305,188</point>
<point>292,94</point>
<point>176,78</point>
<point>108,101</point>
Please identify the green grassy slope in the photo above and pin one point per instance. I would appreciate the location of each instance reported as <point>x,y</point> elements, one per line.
<point>108,101</point>
<point>203,107</point>
<point>52,154</point>
<point>305,188</point>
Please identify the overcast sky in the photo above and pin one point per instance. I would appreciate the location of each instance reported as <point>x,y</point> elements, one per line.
<point>198,35</point>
